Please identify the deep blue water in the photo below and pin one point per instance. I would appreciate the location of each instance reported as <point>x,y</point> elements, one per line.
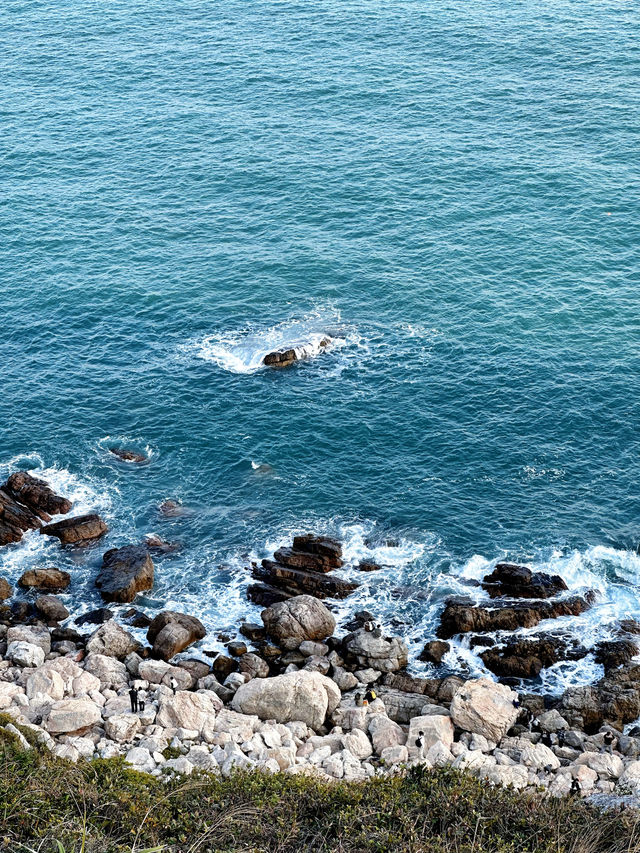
<point>450,190</point>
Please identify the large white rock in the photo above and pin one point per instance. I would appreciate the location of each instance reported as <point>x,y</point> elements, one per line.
<point>161,672</point>
<point>25,654</point>
<point>631,775</point>
<point>435,728</point>
<point>484,707</point>
<point>358,744</point>
<point>305,696</point>
<point>385,733</point>
<point>188,710</point>
<point>72,715</point>
<point>539,757</point>
<point>112,640</point>
<point>8,691</point>
<point>37,635</point>
<point>110,671</point>
<point>122,727</point>
<point>605,765</point>
<point>383,654</point>
<point>46,682</point>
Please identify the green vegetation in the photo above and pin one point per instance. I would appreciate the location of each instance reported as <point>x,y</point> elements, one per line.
<point>50,806</point>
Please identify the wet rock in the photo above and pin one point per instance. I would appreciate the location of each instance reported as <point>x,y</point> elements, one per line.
<point>112,640</point>
<point>95,617</point>
<point>6,590</point>
<point>161,546</point>
<point>264,595</point>
<point>36,494</point>
<point>434,651</point>
<point>171,632</point>
<point>300,618</point>
<point>365,649</point>
<point>51,580</point>
<point>50,608</point>
<point>128,455</point>
<point>291,558</point>
<point>513,581</point>
<point>237,648</point>
<point>77,531</point>
<point>613,654</point>
<point>461,615</point>
<point>302,581</point>
<point>136,618</point>
<point>520,658</point>
<point>304,696</point>
<point>486,708</point>
<point>322,546</point>
<point>366,566</point>
<point>280,358</point>
<point>252,631</point>
<point>125,572</point>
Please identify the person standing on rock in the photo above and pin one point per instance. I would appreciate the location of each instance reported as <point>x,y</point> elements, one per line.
<point>142,698</point>
<point>173,684</point>
<point>133,695</point>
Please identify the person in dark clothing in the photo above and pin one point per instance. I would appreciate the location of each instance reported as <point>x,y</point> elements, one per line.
<point>370,695</point>
<point>133,695</point>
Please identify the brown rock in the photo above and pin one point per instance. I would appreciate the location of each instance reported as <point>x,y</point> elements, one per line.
<point>613,654</point>
<point>6,590</point>
<point>125,572</point>
<point>45,579</point>
<point>78,530</point>
<point>368,567</point>
<point>323,546</point>
<point>299,581</point>
<point>128,455</point>
<point>294,559</point>
<point>520,658</point>
<point>171,632</point>
<point>36,494</point>
<point>461,615</point>
<point>265,595</point>
<point>51,609</point>
<point>434,651</point>
<point>513,581</point>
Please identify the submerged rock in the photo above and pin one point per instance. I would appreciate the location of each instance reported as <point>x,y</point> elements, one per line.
<point>513,581</point>
<point>128,455</point>
<point>125,572</point>
<point>78,530</point>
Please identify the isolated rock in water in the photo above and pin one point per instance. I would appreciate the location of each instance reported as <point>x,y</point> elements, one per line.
<point>125,572</point>
<point>6,590</point>
<point>52,580</point>
<point>72,715</point>
<point>302,581</point>
<point>36,494</point>
<point>128,455</point>
<point>171,632</point>
<point>521,658</point>
<point>155,543</point>
<point>294,559</point>
<point>322,546</point>
<point>300,618</point>
<point>287,357</point>
<point>385,654</point>
<point>188,710</point>
<point>485,708</point>
<point>51,608</point>
<point>513,581</point>
<point>95,617</point>
<point>112,640</point>
<point>304,696</point>
<point>461,615</point>
<point>78,530</point>
<point>434,651</point>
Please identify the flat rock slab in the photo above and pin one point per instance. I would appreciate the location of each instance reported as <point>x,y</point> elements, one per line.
<point>125,572</point>
<point>51,580</point>
<point>78,530</point>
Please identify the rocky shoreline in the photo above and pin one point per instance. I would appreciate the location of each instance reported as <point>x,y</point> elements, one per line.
<point>296,695</point>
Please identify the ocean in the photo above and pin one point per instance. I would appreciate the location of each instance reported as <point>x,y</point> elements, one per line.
<point>449,190</point>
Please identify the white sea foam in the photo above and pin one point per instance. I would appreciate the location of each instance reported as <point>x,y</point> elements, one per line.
<point>243,351</point>
<point>125,442</point>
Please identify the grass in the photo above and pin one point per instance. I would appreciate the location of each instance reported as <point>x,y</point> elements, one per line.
<point>51,806</point>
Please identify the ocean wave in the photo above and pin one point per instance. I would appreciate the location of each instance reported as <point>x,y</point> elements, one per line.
<point>243,351</point>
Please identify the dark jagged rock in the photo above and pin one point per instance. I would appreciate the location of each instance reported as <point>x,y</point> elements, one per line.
<point>295,559</point>
<point>95,617</point>
<point>136,618</point>
<point>252,631</point>
<point>434,651</point>
<point>237,648</point>
<point>78,530</point>
<point>52,580</point>
<point>265,595</point>
<point>171,632</point>
<point>461,615</point>
<point>36,494</point>
<point>156,544</point>
<point>16,519</point>
<point>366,566</point>
<point>129,455</point>
<point>613,654</point>
<point>286,357</point>
<point>512,581</point>
<point>520,658</point>
<point>223,666</point>
<point>300,582</point>
<point>614,701</point>
<point>6,589</point>
<point>481,640</point>
<point>125,572</point>
<point>323,546</point>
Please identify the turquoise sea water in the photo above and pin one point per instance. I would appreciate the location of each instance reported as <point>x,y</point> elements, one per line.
<point>450,190</point>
